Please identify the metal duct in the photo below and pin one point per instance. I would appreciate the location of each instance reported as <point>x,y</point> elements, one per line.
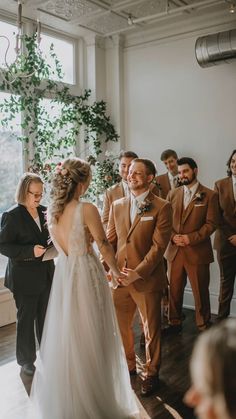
<point>216,49</point>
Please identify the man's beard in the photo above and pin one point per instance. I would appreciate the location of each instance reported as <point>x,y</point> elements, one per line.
<point>187,181</point>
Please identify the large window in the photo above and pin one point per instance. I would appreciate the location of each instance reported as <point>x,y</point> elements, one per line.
<point>11,150</point>
<point>64,50</point>
<point>11,168</point>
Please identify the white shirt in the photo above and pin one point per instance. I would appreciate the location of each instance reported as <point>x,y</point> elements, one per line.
<point>37,220</point>
<point>134,203</point>
<point>189,193</point>
<point>234,186</point>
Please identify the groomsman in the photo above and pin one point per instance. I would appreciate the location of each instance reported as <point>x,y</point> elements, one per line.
<point>189,253</point>
<point>168,180</point>
<point>121,189</point>
<point>225,237</point>
<point>139,229</point>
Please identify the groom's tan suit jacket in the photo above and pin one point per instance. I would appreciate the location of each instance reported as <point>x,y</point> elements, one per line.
<point>141,246</point>
<point>199,220</point>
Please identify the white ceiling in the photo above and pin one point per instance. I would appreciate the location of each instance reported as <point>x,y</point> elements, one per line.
<point>108,17</point>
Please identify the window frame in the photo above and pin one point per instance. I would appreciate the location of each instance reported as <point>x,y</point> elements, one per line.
<point>74,87</point>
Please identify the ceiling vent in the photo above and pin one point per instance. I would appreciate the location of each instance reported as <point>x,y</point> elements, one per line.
<point>216,49</point>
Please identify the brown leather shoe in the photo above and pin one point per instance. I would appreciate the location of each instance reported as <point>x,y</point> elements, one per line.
<point>142,341</point>
<point>149,385</point>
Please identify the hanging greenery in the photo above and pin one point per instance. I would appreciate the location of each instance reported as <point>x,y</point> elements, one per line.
<point>52,127</point>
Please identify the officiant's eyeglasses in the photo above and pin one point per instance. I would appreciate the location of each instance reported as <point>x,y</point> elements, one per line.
<point>36,195</point>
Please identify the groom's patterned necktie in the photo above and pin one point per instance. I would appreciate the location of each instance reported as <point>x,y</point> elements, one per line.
<point>133,209</point>
<point>187,197</point>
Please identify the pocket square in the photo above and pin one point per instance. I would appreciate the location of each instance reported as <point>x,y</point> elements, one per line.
<point>199,205</point>
<point>146,218</point>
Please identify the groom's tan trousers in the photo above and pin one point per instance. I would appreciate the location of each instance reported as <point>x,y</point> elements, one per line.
<point>126,300</point>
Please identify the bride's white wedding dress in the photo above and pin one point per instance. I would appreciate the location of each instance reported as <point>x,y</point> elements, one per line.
<point>81,371</point>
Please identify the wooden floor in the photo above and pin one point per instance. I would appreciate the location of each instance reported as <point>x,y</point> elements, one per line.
<point>166,403</point>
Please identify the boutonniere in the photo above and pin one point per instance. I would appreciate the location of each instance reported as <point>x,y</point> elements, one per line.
<point>199,196</point>
<point>144,207</point>
<point>177,182</point>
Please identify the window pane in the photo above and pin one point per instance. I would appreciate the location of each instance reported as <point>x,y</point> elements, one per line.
<point>7,31</point>
<point>52,113</point>
<point>11,167</point>
<point>65,53</point>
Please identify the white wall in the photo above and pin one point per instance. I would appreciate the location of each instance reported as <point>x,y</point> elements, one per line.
<point>171,102</point>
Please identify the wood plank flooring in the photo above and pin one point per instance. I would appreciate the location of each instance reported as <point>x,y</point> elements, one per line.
<point>166,403</point>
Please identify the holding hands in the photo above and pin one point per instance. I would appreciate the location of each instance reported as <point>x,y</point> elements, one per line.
<point>124,278</point>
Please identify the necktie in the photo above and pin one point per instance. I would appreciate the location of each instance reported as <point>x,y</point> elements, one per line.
<point>187,197</point>
<point>176,181</point>
<point>133,209</point>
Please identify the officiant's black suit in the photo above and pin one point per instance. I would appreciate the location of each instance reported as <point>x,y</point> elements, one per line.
<point>29,278</point>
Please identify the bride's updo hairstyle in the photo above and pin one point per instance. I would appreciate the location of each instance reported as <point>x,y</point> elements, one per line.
<point>67,176</point>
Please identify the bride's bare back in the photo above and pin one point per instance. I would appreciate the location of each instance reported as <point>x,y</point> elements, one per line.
<point>92,221</point>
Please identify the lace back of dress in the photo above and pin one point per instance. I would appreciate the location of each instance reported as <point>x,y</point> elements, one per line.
<point>77,241</point>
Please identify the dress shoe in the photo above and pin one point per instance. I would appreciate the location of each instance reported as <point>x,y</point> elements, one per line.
<point>172,329</point>
<point>28,369</point>
<point>149,385</point>
<point>142,341</point>
<point>133,372</point>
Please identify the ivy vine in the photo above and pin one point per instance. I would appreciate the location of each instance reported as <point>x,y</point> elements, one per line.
<point>54,136</point>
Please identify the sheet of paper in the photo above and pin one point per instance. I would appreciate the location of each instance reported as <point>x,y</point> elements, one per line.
<point>50,253</point>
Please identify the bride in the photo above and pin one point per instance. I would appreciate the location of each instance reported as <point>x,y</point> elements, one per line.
<point>82,371</point>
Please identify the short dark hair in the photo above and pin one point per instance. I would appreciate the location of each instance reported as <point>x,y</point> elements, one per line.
<point>229,172</point>
<point>187,160</point>
<point>168,153</point>
<point>150,166</point>
<point>130,154</point>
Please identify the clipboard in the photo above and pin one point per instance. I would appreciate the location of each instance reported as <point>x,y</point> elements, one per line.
<point>50,253</point>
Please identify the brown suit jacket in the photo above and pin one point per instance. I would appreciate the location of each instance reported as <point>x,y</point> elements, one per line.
<point>198,221</point>
<point>141,246</point>
<point>164,182</point>
<point>116,192</point>
<point>227,226</point>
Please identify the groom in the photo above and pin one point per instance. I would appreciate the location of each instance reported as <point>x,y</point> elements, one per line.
<point>139,229</point>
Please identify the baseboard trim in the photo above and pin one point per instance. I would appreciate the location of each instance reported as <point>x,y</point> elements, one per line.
<point>189,302</point>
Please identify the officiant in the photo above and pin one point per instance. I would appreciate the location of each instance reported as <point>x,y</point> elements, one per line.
<point>23,239</point>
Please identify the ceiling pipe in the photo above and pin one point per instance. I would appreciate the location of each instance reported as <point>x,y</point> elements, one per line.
<point>203,3</point>
<point>216,49</point>
<point>165,15</point>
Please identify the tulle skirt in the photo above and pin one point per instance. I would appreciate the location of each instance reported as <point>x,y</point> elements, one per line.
<point>81,369</point>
